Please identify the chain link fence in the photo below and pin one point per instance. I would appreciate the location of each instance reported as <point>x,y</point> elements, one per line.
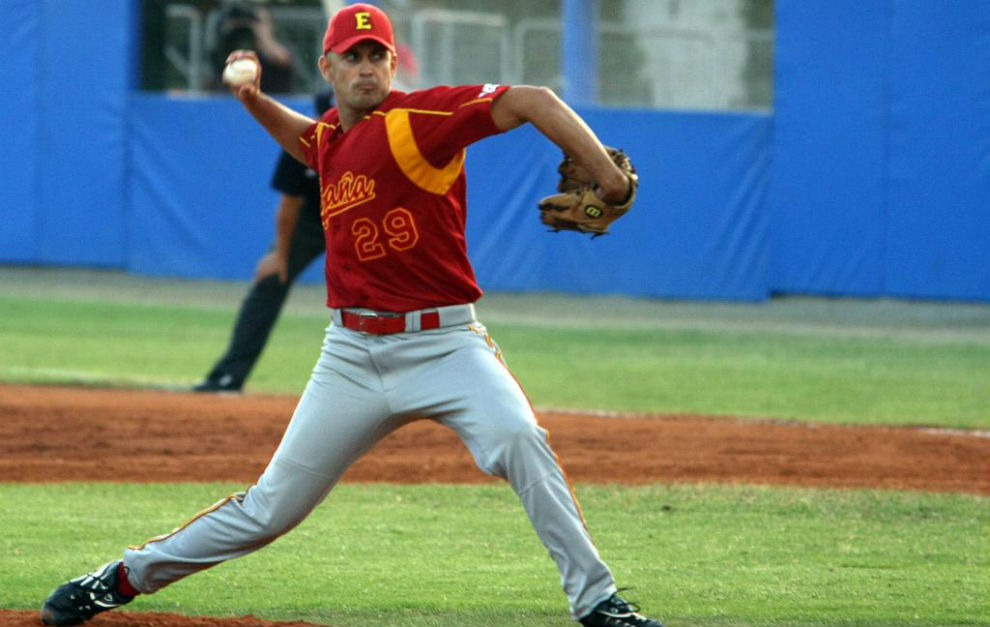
<point>642,63</point>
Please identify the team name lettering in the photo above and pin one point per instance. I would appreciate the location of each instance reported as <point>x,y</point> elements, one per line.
<point>347,192</point>
<point>363,20</point>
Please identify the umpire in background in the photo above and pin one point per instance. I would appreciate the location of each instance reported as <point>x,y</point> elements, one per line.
<point>298,241</point>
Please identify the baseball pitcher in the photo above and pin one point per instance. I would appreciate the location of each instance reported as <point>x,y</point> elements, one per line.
<point>403,342</point>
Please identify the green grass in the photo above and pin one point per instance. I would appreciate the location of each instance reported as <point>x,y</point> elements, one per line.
<point>772,371</point>
<point>466,556</point>
<point>109,342</point>
<point>842,380</point>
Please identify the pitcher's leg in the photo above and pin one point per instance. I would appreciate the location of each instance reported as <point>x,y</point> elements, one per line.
<point>235,526</point>
<point>336,421</point>
<point>524,458</point>
<point>496,421</point>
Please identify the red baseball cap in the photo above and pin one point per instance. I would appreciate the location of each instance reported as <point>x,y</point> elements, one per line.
<point>355,23</point>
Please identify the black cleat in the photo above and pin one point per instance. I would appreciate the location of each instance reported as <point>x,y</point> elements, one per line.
<point>220,385</point>
<point>617,612</point>
<point>80,599</point>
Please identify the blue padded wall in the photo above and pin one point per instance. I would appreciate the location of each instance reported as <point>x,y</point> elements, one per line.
<point>201,205</point>
<point>20,47</point>
<point>201,167</point>
<point>699,228</point>
<point>85,74</point>
<point>881,179</point>
<point>871,178</point>
<point>939,167</point>
<point>828,200</point>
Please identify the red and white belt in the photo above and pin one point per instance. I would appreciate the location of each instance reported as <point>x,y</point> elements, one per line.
<point>384,322</point>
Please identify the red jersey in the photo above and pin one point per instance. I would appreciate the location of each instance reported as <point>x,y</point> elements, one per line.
<point>393,198</point>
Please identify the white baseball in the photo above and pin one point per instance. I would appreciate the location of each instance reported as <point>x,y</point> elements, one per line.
<point>240,72</point>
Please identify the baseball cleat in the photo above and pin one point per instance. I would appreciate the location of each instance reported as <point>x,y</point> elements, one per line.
<point>617,612</point>
<point>80,599</point>
<point>220,385</point>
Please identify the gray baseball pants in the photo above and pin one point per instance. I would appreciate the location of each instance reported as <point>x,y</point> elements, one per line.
<point>364,387</point>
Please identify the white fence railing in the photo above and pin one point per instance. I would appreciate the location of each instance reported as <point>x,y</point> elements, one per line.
<point>675,67</point>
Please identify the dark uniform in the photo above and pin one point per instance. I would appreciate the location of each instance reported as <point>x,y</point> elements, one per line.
<point>238,30</point>
<point>261,306</point>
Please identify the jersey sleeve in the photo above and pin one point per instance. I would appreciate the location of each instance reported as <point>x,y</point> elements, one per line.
<point>310,140</point>
<point>445,120</point>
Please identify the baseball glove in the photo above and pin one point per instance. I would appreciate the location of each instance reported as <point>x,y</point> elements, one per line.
<point>577,207</point>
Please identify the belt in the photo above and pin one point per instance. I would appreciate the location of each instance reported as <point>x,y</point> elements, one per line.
<point>384,323</point>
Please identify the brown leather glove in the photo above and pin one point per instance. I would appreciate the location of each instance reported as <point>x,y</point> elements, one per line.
<point>577,207</point>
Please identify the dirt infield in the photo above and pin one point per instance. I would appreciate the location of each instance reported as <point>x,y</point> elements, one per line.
<point>72,434</point>
<point>66,434</point>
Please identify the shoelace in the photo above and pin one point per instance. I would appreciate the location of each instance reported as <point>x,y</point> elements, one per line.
<point>98,585</point>
<point>631,606</point>
<point>620,608</point>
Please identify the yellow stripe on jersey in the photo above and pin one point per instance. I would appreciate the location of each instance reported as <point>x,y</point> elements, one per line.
<point>320,128</point>
<point>471,102</point>
<point>411,161</point>
<point>423,111</point>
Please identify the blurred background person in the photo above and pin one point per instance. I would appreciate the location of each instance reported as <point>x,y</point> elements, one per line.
<point>298,241</point>
<point>246,26</point>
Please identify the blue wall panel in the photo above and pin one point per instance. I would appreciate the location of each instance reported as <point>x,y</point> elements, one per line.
<point>200,197</point>
<point>872,178</point>
<point>698,229</point>
<point>20,47</point>
<point>939,170</point>
<point>828,199</point>
<point>506,177</point>
<point>201,205</point>
<point>86,73</point>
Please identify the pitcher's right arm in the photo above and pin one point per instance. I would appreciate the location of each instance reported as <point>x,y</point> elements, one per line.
<point>282,123</point>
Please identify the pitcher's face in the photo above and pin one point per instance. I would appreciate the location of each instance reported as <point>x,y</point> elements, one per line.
<point>361,76</point>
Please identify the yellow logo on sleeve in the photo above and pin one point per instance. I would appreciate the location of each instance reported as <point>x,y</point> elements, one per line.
<point>363,20</point>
